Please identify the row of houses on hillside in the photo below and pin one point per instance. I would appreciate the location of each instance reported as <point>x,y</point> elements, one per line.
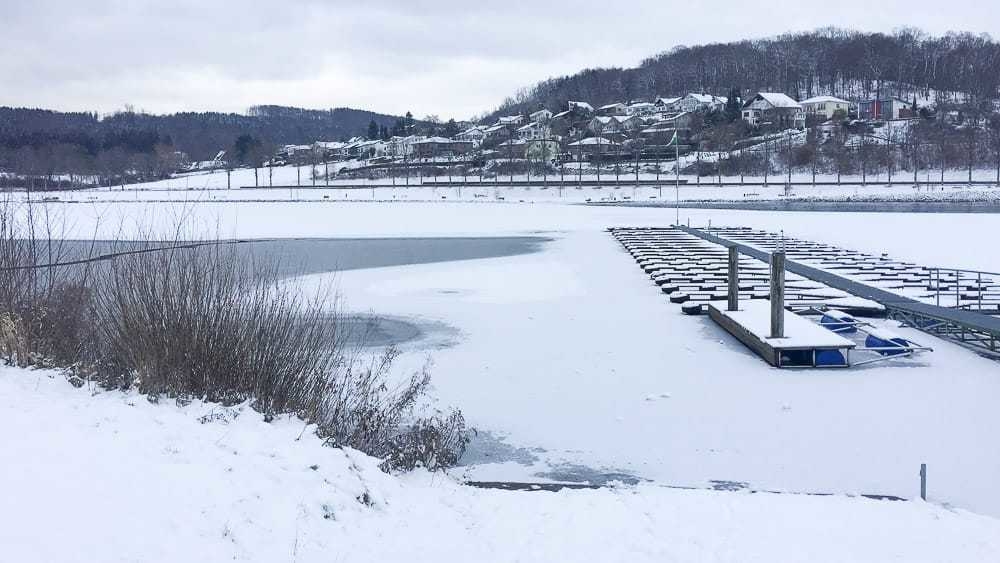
<point>780,109</point>
<point>605,129</point>
<point>411,146</point>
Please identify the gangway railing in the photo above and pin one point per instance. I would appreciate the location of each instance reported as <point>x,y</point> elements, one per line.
<point>979,289</point>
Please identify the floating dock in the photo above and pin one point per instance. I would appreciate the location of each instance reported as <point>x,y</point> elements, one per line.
<point>887,282</point>
<point>805,344</point>
<point>692,272</point>
<point>764,292</point>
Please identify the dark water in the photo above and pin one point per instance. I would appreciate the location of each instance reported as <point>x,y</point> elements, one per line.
<point>381,331</point>
<point>297,257</point>
<point>300,257</point>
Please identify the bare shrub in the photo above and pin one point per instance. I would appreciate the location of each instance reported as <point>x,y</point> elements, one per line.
<point>433,443</point>
<point>205,322</point>
<point>187,320</point>
<point>43,308</point>
<point>13,345</point>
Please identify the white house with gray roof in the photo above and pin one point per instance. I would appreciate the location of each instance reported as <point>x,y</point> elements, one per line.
<point>774,108</point>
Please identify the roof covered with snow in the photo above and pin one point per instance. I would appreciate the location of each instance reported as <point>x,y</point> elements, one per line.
<point>593,141</point>
<point>777,99</point>
<point>824,99</point>
<point>706,98</point>
<point>437,140</point>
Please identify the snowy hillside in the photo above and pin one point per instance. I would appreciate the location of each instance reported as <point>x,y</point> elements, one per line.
<point>111,477</point>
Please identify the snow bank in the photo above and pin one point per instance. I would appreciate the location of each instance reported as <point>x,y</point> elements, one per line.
<point>111,477</point>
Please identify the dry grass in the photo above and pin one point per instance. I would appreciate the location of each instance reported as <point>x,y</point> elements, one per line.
<point>206,322</point>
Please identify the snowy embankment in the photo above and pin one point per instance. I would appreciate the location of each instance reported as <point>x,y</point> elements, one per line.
<point>611,191</point>
<point>111,477</point>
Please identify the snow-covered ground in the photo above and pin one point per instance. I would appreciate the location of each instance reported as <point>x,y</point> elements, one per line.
<point>110,477</point>
<point>624,192</point>
<point>575,366</point>
<point>303,176</point>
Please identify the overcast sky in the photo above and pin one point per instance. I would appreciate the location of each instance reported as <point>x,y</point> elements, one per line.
<point>447,57</point>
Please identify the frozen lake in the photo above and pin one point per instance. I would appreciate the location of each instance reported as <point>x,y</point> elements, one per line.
<point>302,257</point>
<point>575,366</point>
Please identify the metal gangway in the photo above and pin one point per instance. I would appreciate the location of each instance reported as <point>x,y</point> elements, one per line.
<point>958,305</point>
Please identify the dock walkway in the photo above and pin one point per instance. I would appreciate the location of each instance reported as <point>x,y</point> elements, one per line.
<point>976,330</point>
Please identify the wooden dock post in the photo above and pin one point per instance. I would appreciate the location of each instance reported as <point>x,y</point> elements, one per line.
<point>923,481</point>
<point>778,294</point>
<point>734,278</point>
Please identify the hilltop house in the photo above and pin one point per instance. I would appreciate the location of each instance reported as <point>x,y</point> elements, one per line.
<point>885,109</point>
<point>541,116</point>
<point>440,146</point>
<point>581,108</point>
<point>591,146</point>
<point>513,148</point>
<point>399,147</point>
<point>294,151</point>
<point>663,130</point>
<point>701,102</point>
<point>824,107</point>
<point>475,135</point>
<point>370,149</point>
<point>614,125</point>
<point>640,108</point>
<point>328,149</point>
<point>575,118</point>
<point>612,110</point>
<point>774,108</point>
<point>664,105</point>
<point>495,132</point>
<point>511,120</point>
<point>533,130</point>
<point>545,150</point>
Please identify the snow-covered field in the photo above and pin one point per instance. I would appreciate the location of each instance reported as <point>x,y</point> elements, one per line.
<point>110,477</point>
<point>946,240</point>
<point>575,366</point>
<point>212,187</point>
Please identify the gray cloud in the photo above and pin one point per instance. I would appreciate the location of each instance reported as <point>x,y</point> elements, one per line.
<point>448,57</point>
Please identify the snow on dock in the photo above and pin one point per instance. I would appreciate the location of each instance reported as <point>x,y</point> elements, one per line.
<point>805,343</point>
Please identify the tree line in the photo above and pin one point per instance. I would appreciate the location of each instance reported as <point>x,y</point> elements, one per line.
<point>47,149</point>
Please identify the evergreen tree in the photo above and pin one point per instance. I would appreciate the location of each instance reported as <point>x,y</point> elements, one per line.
<point>372,130</point>
<point>408,123</point>
<point>244,148</point>
<point>450,128</point>
<point>733,105</point>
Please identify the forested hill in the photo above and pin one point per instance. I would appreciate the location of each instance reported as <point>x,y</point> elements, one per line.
<point>828,61</point>
<point>200,135</point>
